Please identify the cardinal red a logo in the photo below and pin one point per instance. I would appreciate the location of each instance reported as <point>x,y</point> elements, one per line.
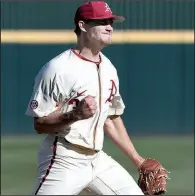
<point>113,91</point>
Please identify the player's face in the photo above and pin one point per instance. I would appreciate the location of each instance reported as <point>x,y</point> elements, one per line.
<point>99,31</point>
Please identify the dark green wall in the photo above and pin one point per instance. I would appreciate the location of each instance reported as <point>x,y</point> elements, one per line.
<point>140,14</point>
<point>156,79</point>
<point>156,84</point>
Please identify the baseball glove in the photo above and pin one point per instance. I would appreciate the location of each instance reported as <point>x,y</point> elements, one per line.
<point>152,177</point>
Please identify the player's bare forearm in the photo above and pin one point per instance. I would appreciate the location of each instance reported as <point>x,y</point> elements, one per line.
<point>55,122</point>
<point>116,130</point>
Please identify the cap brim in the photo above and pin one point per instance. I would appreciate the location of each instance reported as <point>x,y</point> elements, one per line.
<point>117,19</point>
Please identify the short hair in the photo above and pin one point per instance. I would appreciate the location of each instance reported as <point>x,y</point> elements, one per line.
<point>77,30</point>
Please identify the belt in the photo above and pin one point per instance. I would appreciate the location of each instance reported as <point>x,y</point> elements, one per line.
<point>82,148</point>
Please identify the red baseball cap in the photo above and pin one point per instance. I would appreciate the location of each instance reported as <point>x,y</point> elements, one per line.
<point>95,10</point>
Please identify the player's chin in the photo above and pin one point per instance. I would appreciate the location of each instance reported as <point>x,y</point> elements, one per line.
<point>106,42</point>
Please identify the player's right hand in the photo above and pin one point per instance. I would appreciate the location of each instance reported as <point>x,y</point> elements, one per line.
<point>86,108</point>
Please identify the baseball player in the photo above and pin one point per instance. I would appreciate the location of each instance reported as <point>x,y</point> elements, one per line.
<point>76,99</point>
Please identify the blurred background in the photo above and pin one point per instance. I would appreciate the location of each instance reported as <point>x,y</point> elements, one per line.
<point>153,51</point>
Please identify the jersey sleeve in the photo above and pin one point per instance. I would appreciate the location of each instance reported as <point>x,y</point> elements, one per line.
<point>47,92</point>
<point>117,105</point>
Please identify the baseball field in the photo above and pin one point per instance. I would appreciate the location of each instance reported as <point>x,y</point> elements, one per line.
<point>18,161</point>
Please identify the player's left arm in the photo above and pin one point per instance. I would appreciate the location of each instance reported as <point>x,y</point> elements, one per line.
<point>115,129</point>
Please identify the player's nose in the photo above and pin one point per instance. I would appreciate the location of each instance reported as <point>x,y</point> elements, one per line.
<point>109,28</point>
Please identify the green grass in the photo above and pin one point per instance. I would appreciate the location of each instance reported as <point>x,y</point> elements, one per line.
<point>18,161</point>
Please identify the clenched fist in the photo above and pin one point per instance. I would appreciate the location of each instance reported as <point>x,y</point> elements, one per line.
<point>86,108</point>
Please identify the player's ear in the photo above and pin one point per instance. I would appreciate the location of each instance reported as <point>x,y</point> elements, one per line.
<point>82,26</point>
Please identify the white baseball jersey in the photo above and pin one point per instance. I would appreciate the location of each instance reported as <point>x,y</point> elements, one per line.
<point>69,78</point>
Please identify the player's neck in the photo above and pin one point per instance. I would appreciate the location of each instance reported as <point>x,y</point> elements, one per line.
<point>91,53</point>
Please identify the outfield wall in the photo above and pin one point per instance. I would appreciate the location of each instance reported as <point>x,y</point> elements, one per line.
<point>139,14</point>
<point>156,68</point>
<point>156,84</point>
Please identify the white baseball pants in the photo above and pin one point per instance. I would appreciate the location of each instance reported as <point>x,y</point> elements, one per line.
<point>64,171</point>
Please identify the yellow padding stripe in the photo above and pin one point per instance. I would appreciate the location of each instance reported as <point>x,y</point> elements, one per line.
<point>119,37</point>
